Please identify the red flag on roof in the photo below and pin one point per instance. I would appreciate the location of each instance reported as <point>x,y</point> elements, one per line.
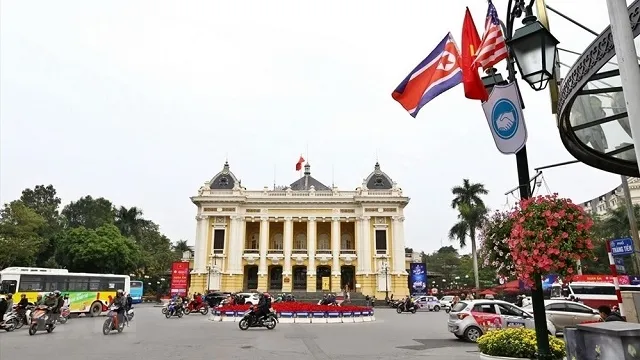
<point>299,163</point>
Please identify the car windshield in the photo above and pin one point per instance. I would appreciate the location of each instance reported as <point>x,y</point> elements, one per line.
<point>447,298</point>
<point>459,307</point>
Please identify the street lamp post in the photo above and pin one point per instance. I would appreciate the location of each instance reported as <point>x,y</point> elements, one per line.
<point>533,48</point>
<point>385,269</point>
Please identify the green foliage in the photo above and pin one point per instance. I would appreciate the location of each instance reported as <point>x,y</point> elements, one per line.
<point>89,213</point>
<point>519,343</point>
<point>86,250</point>
<point>20,238</point>
<point>88,235</point>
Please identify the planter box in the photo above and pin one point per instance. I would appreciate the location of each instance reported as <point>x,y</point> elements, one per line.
<point>319,318</point>
<point>229,316</point>
<point>286,317</point>
<point>302,318</point>
<point>357,316</point>
<point>347,317</point>
<point>333,318</point>
<point>489,357</point>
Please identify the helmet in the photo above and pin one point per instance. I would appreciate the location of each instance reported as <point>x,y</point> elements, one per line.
<point>57,292</point>
<point>266,294</point>
<point>119,292</point>
<point>51,294</point>
<point>9,296</point>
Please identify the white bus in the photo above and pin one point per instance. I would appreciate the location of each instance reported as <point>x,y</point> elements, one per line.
<point>592,294</point>
<point>88,293</point>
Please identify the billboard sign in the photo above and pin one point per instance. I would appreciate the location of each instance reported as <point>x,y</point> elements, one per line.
<point>179,278</point>
<point>418,279</point>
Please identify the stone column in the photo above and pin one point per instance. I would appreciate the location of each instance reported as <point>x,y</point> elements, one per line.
<point>288,245</point>
<point>238,246</point>
<point>229,250</point>
<point>335,246</point>
<point>264,244</point>
<point>398,245</point>
<point>358,243</point>
<point>311,245</point>
<point>199,260</point>
<point>366,245</point>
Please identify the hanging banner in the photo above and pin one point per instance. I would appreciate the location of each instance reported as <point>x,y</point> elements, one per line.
<point>503,111</point>
<point>179,278</point>
<point>418,279</point>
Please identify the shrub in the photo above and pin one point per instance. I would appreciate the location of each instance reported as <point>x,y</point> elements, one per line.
<point>517,343</point>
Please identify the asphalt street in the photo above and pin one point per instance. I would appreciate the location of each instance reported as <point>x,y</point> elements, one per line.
<point>151,335</point>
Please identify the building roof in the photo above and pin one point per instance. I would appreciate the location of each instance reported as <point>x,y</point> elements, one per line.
<point>224,180</point>
<point>378,180</point>
<point>307,181</point>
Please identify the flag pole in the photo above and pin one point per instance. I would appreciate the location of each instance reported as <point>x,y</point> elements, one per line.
<point>274,177</point>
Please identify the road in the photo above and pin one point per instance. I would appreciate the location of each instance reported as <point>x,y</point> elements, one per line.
<point>151,335</point>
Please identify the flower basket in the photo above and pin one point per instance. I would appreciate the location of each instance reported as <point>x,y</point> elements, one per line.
<point>516,343</point>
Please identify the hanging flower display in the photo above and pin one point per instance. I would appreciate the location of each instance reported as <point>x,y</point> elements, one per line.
<point>549,235</point>
<point>494,243</point>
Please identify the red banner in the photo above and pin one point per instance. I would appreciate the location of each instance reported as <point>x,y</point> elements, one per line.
<point>179,278</point>
<point>622,279</point>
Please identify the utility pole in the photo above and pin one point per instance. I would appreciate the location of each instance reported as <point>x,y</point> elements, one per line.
<point>633,225</point>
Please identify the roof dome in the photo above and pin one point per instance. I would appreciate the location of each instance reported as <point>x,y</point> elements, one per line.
<point>378,180</point>
<point>224,180</point>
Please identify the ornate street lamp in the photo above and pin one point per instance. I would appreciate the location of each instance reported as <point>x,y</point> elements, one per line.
<point>534,49</point>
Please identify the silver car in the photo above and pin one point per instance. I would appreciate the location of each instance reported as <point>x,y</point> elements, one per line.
<point>565,313</point>
<point>469,319</point>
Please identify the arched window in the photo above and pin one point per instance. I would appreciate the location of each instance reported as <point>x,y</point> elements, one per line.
<point>300,242</point>
<point>276,242</point>
<point>323,242</point>
<point>252,241</point>
<point>346,242</point>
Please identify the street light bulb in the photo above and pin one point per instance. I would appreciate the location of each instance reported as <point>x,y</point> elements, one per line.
<point>534,48</point>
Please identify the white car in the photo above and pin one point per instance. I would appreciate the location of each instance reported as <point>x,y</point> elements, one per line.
<point>427,302</point>
<point>445,302</point>
<point>469,319</point>
<point>250,298</point>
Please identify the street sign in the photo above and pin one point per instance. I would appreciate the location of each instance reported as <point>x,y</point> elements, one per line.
<point>620,265</point>
<point>622,246</point>
<point>504,116</point>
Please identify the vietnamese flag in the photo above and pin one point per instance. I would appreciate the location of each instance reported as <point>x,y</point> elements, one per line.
<point>473,87</point>
<point>299,163</point>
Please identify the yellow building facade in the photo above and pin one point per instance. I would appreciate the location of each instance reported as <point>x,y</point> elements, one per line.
<point>304,237</point>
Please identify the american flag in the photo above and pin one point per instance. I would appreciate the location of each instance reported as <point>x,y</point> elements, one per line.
<point>492,48</point>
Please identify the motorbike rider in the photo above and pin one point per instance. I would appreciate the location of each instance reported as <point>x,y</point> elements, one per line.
<point>39,300</point>
<point>9,302</point>
<point>22,305</point>
<point>120,302</point>
<point>51,302</point>
<point>3,309</point>
<point>263,307</point>
<point>178,303</point>
<point>408,303</point>
<point>59,303</point>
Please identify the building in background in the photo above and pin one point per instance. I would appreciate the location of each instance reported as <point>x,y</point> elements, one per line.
<point>306,237</point>
<point>612,199</point>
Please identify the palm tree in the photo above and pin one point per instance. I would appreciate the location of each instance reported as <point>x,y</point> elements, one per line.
<point>129,221</point>
<point>469,193</point>
<point>181,246</point>
<point>471,214</point>
<point>615,223</point>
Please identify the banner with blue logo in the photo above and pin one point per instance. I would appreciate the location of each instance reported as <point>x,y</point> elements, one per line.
<point>418,279</point>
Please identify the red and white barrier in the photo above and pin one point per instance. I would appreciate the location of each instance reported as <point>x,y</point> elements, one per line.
<point>614,273</point>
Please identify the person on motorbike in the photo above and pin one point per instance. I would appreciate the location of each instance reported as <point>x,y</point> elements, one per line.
<point>51,303</point>
<point>178,303</point>
<point>408,302</point>
<point>22,305</point>
<point>59,303</point>
<point>3,309</point>
<point>9,302</point>
<point>120,303</point>
<point>39,300</point>
<point>263,307</point>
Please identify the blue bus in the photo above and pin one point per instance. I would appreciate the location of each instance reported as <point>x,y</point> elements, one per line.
<point>137,289</point>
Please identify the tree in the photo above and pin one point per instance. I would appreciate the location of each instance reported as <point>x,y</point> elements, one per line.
<point>129,221</point>
<point>43,200</point>
<point>181,246</point>
<point>103,250</point>
<point>20,238</point>
<point>89,213</point>
<point>157,252</point>
<point>471,213</point>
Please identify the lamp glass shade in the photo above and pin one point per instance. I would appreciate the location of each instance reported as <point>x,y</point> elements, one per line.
<point>534,48</point>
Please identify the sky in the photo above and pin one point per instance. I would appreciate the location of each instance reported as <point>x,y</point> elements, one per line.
<point>141,102</point>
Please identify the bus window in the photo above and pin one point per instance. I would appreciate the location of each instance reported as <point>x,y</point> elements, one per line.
<point>556,292</point>
<point>94,284</point>
<point>116,283</point>
<point>593,290</point>
<point>8,287</point>
<point>31,283</point>
<point>78,283</point>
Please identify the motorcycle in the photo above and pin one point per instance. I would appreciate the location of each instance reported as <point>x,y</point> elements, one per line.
<point>202,308</point>
<point>249,320</point>
<point>164,309</point>
<point>112,322</point>
<point>174,310</point>
<point>130,314</point>
<point>401,308</point>
<point>65,315</point>
<point>394,303</point>
<point>41,319</point>
<point>23,315</point>
<point>10,322</point>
